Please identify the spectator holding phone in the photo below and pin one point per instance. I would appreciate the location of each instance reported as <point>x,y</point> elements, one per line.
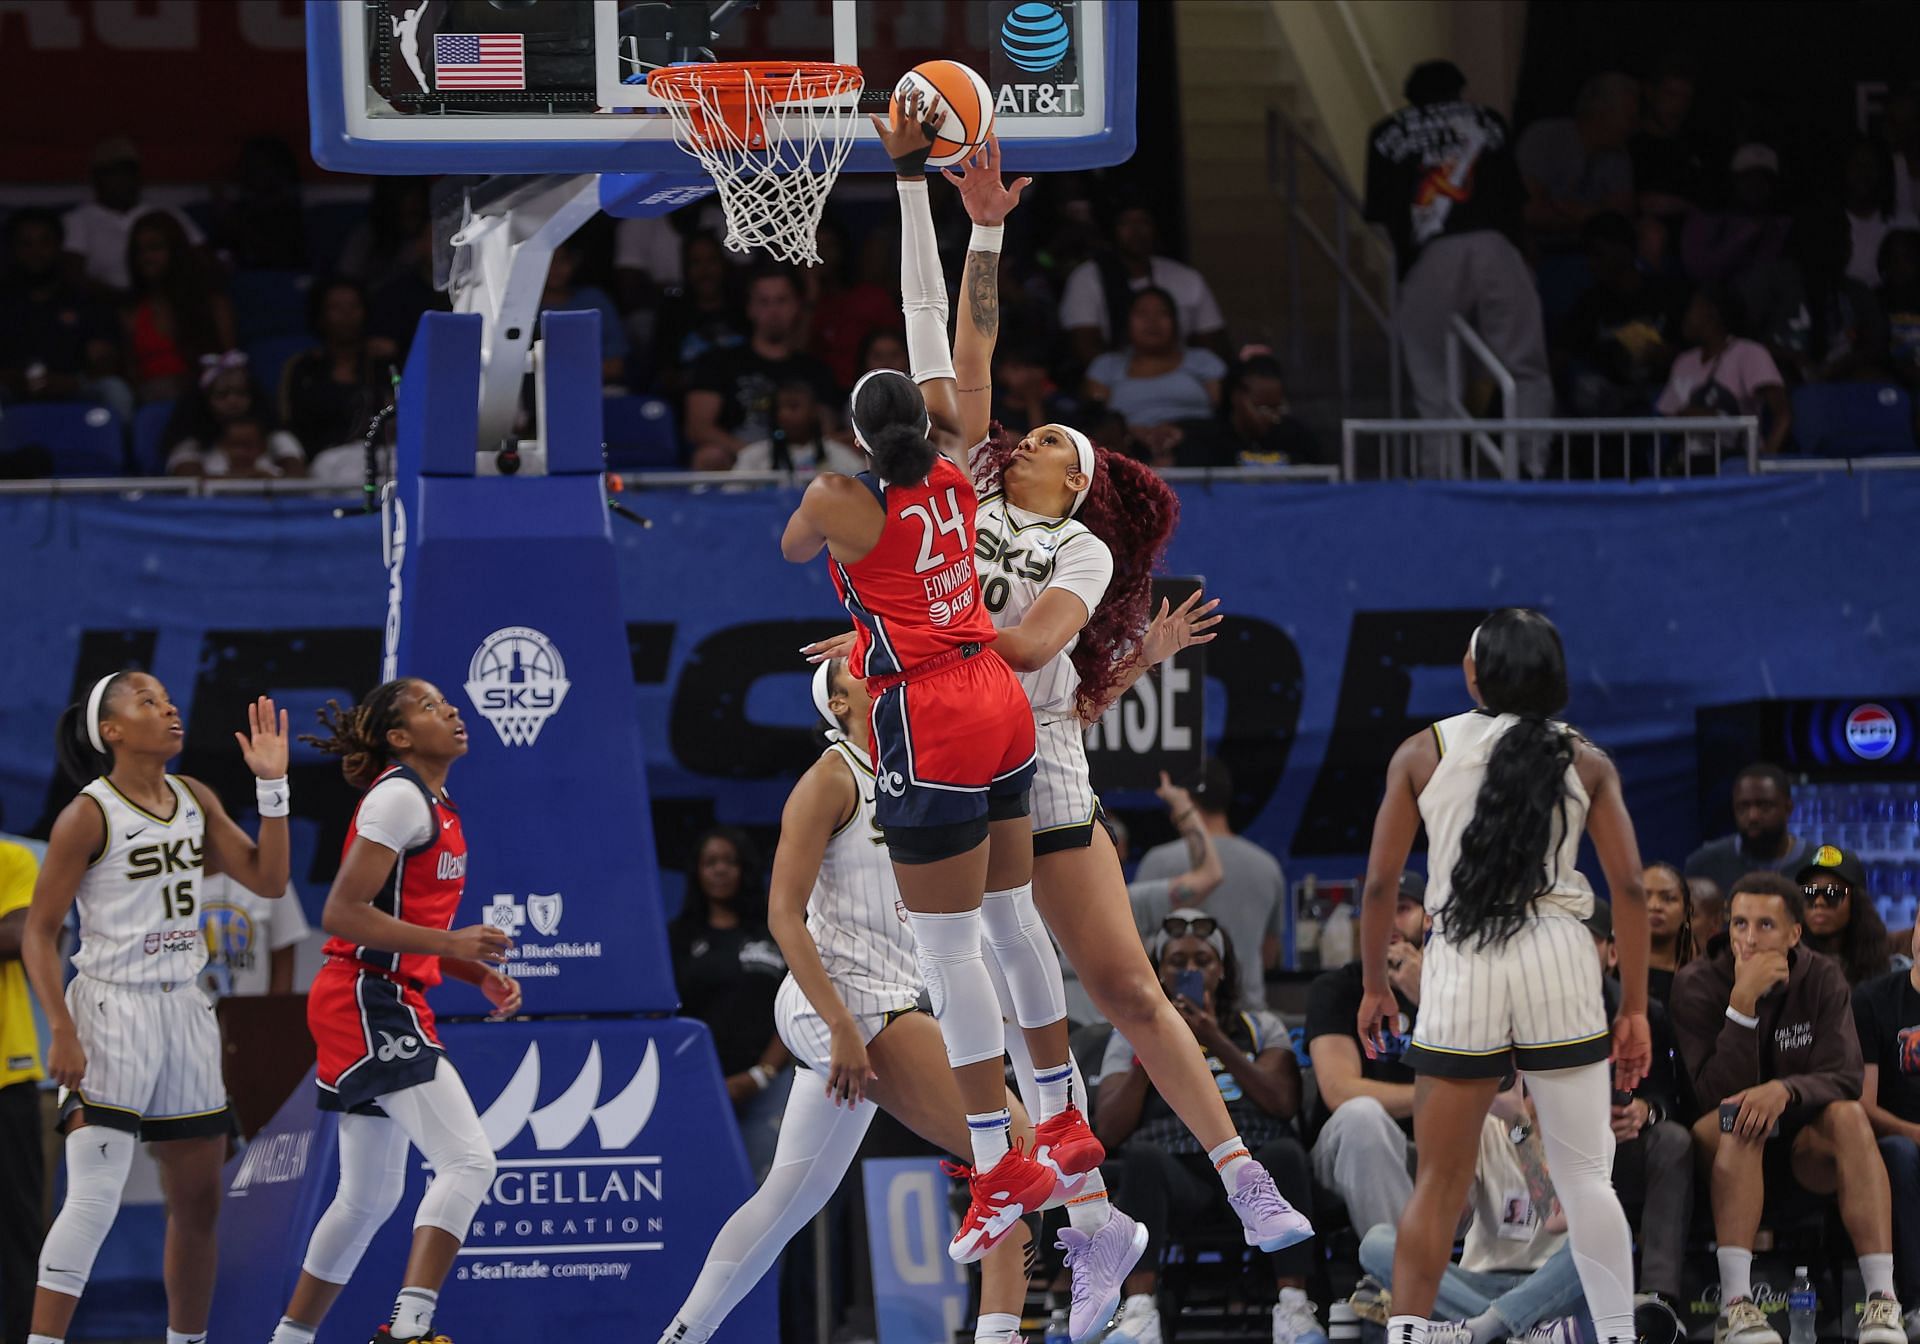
<point>1886,1013</point>
<point>1767,1033</point>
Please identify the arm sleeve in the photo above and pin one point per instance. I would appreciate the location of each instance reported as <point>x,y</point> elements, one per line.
<point>1836,1071</point>
<point>288,921</point>
<point>1083,567</point>
<point>1082,304</point>
<point>396,815</point>
<point>923,286</point>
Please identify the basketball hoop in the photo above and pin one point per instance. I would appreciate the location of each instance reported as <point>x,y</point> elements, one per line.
<point>773,134</point>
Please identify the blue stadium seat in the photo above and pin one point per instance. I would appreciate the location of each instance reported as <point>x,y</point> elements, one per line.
<point>641,435</point>
<point>85,439</point>
<point>1852,419</point>
<point>149,428</point>
<point>268,356</point>
<point>269,303</point>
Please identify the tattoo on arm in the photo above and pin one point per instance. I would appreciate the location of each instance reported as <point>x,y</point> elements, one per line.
<point>1195,834</point>
<point>983,292</point>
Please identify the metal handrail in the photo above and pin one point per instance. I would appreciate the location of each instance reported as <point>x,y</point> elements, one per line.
<point>1745,426</point>
<point>1301,474</point>
<point>1459,333</point>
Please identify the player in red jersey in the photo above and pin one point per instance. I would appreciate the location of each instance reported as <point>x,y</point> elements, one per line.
<point>390,912</point>
<point>953,736</point>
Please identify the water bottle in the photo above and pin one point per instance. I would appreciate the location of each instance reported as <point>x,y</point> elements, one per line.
<point>1057,1329</point>
<point>1801,1305</point>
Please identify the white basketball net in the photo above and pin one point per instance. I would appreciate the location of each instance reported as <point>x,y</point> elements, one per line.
<point>773,196</point>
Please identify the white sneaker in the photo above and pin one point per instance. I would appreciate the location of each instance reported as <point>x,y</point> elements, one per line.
<point>1294,1321</point>
<point>1741,1322</point>
<point>1880,1322</point>
<point>1137,1323</point>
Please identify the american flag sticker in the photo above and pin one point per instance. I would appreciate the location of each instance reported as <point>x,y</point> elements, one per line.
<point>479,61</point>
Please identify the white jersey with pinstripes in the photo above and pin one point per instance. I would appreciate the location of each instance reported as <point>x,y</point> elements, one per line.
<point>139,902</point>
<point>855,915</point>
<point>1466,742</point>
<point>1020,555</point>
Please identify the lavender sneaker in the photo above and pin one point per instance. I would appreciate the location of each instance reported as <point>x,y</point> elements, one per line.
<point>1100,1265</point>
<point>1271,1222</point>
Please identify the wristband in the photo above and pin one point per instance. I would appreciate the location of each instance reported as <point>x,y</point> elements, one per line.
<point>761,1078</point>
<point>270,796</point>
<point>986,238</point>
<point>1735,1015</point>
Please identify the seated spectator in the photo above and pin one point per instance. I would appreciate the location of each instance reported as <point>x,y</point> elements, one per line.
<point>845,308</point>
<point>57,343</point>
<point>1577,167</point>
<point>562,295</point>
<point>1706,910</point>
<point>1516,1278</point>
<point>730,393</point>
<point>884,348</point>
<point>1820,325</point>
<point>1024,393</point>
<point>1156,382</point>
<point>1363,1115</point>
<point>173,317</point>
<point>1865,195</point>
<point>1619,341</point>
<point>1886,1014</point>
<point>1669,928</point>
<point>1718,245</point>
<point>329,393</point>
<point>646,261</point>
<point>703,316</point>
<point>1668,150</point>
<point>243,448</point>
<point>1766,1031</point>
<point>1762,805</point>
<point>1095,299</point>
<point>1842,920</point>
<point>1254,426</point>
<point>97,233</point>
<point>258,218</point>
<point>1724,375</point>
<point>1900,300</point>
<point>801,442</point>
<point>1166,1180</point>
<point>225,395</point>
<point>1250,902</point>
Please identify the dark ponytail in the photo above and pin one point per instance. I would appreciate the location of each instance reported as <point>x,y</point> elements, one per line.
<point>901,454</point>
<point>358,736</point>
<point>1520,815</point>
<point>890,420</point>
<point>73,748</point>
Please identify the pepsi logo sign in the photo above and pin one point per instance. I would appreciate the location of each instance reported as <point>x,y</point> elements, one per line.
<point>1872,732</point>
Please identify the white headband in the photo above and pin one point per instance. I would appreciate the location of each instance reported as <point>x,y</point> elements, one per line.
<point>853,399</point>
<point>1084,446</point>
<point>94,697</point>
<point>1473,645</point>
<point>823,692</point>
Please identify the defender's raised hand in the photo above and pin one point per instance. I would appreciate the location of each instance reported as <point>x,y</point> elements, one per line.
<point>264,744</point>
<point>987,199</point>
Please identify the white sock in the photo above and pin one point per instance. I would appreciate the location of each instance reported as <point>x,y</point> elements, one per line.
<point>290,1331</point>
<point>1736,1273</point>
<point>1407,1330</point>
<point>1228,1159</point>
<point>1056,1090</point>
<point>1876,1273</point>
<point>1488,1326</point>
<point>45,1339</point>
<point>413,1312</point>
<point>1090,1210</point>
<point>992,1133</point>
<point>994,1327</point>
<point>182,1337</point>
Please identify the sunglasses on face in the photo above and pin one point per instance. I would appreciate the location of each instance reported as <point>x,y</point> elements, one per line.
<point>1183,925</point>
<point>1835,896</point>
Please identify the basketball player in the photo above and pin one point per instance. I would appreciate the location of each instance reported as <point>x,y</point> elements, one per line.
<point>846,1011</point>
<point>1510,979</point>
<point>953,734</point>
<point>135,1048</point>
<point>381,1063</point>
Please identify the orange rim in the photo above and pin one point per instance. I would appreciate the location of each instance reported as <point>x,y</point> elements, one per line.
<point>732,86</point>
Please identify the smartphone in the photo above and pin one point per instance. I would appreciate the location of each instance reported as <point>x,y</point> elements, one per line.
<point>1191,986</point>
<point>1730,1112</point>
<point>1623,1098</point>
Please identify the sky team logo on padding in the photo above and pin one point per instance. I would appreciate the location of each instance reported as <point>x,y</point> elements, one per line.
<point>517,680</point>
<point>1872,732</point>
<point>1036,37</point>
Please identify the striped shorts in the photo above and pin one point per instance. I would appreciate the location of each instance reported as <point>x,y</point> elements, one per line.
<point>1533,1002</point>
<point>806,1034</point>
<point>1062,798</point>
<point>153,1060</point>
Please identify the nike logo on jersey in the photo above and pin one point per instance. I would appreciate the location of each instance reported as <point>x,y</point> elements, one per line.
<point>103,1150</point>
<point>447,825</point>
<point>135,831</point>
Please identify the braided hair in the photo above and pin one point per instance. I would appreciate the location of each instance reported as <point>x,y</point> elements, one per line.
<point>358,736</point>
<point>1134,512</point>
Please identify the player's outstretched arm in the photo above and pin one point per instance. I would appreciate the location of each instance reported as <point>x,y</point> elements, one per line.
<point>988,203</point>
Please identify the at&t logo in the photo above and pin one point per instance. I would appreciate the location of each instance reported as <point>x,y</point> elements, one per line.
<point>1872,732</point>
<point>517,680</point>
<point>1036,37</point>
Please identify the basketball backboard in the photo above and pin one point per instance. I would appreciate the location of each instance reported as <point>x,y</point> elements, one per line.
<point>557,86</point>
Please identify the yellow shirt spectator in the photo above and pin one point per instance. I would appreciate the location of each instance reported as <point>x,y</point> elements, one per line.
<point>19,1041</point>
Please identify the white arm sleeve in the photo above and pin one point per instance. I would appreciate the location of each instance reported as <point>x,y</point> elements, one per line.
<point>396,815</point>
<point>1084,567</point>
<point>923,287</point>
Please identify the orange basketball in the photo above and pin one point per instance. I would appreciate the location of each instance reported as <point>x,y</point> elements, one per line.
<point>955,89</point>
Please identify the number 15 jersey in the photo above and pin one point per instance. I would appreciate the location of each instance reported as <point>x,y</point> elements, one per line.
<point>139,901</point>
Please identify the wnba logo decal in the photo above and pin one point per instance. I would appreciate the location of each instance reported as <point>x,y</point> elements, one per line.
<point>1036,37</point>
<point>517,680</point>
<point>1872,733</point>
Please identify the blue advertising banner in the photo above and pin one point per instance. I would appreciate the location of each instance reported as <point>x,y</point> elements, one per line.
<point>1348,611</point>
<point>919,1295</point>
<point>611,1184</point>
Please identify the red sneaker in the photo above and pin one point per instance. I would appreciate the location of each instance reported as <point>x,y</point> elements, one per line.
<point>1066,1144</point>
<point>1017,1185</point>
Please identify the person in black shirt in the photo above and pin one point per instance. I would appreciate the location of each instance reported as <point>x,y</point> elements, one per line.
<point>727,969</point>
<point>1842,920</point>
<point>1670,928</point>
<point>1886,1014</point>
<point>1364,1114</point>
<point>731,393</point>
<point>1619,341</point>
<point>330,392</point>
<point>1256,426</point>
<point>56,343</point>
<point>1442,178</point>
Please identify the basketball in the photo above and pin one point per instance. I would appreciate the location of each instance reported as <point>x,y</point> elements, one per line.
<point>962,94</point>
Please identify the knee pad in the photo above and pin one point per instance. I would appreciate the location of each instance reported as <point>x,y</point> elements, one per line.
<point>459,1185</point>
<point>948,950</point>
<point>1025,956</point>
<point>98,1160</point>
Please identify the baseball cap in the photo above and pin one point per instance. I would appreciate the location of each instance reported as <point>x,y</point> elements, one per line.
<point>1413,886</point>
<point>1756,156</point>
<point>1841,863</point>
<point>115,151</point>
<point>1600,922</point>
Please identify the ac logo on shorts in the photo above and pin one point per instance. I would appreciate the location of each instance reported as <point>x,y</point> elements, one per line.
<point>406,1047</point>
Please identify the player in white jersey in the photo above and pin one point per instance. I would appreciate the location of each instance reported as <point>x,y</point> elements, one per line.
<point>1510,980</point>
<point>846,1011</point>
<point>135,1048</point>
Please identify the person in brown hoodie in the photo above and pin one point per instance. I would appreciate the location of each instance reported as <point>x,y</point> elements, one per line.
<point>1765,1027</point>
